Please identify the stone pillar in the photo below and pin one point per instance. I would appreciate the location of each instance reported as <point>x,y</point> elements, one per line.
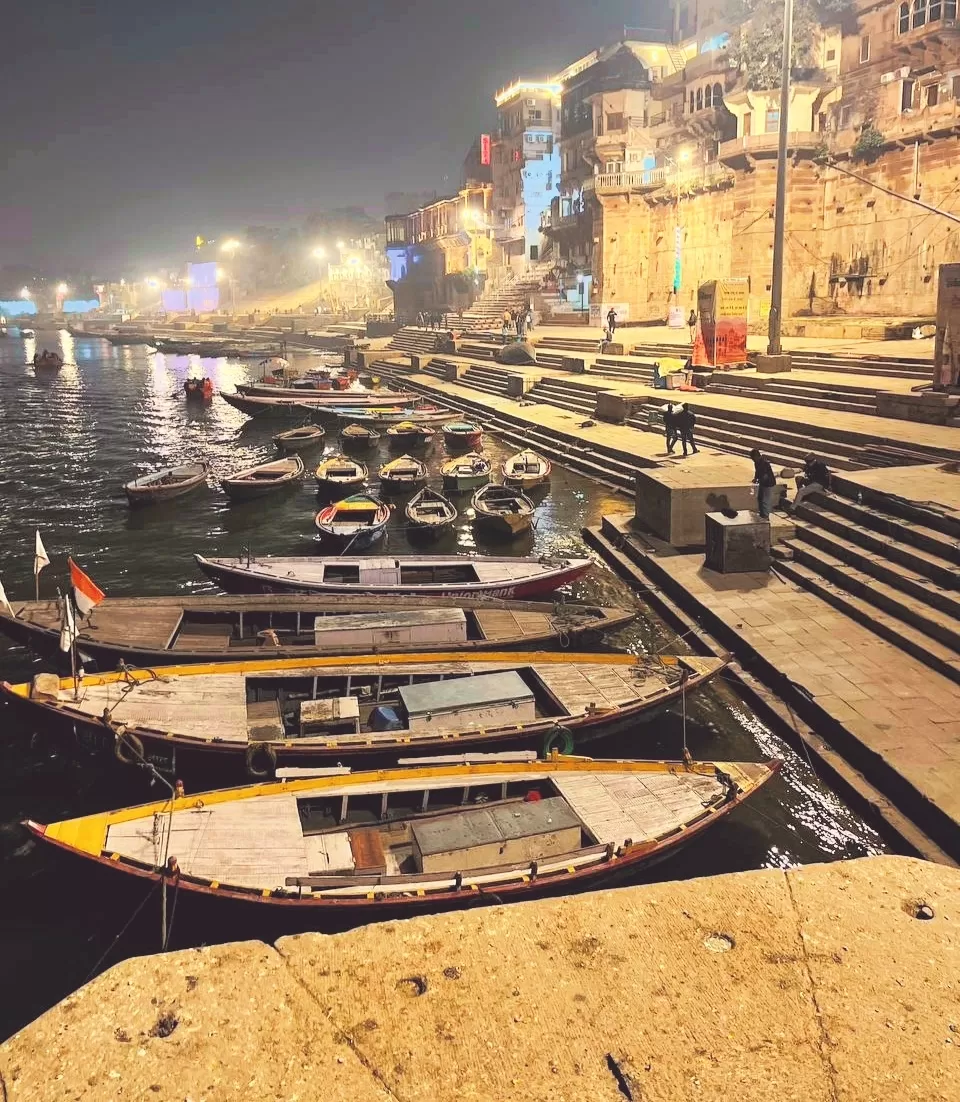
<point>518,385</point>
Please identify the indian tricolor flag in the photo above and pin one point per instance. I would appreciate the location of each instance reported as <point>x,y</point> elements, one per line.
<point>86,593</point>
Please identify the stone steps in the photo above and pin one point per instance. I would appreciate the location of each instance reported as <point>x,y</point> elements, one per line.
<point>809,396</point>
<point>916,527</point>
<point>545,391</point>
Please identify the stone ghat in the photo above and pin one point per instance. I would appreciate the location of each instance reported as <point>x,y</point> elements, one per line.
<point>826,982</point>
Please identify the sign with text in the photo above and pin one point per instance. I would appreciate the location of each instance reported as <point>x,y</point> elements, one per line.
<point>484,149</point>
<point>722,306</point>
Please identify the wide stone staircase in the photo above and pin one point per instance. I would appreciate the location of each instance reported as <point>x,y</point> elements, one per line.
<point>891,564</point>
<point>413,339</point>
<point>487,311</point>
<point>846,398</point>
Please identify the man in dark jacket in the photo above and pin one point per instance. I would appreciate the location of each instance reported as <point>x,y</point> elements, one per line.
<point>766,482</point>
<point>686,423</point>
<point>815,478</point>
<point>670,425</point>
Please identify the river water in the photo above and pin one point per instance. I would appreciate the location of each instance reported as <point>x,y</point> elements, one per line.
<point>69,440</point>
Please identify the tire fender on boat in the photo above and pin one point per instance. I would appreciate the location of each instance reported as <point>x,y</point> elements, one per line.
<point>254,752</point>
<point>558,738</point>
<point>127,747</point>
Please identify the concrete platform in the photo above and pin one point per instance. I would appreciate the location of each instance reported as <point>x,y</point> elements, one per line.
<point>937,484</point>
<point>810,985</point>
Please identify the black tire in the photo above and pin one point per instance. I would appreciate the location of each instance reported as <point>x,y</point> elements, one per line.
<point>127,748</point>
<point>558,734</point>
<point>256,766</point>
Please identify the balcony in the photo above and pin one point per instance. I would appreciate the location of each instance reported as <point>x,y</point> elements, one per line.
<point>744,150</point>
<point>687,180</point>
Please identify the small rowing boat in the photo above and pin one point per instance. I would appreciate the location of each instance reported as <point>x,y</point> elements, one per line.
<point>337,471</point>
<point>263,479</point>
<point>49,360</point>
<point>430,512</point>
<point>466,472</point>
<point>503,511</point>
<point>166,484</point>
<point>408,434</point>
<point>299,440</point>
<point>421,415</point>
<point>462,435</point>
<point>198,390</point>
<point>526,469</point>
<point>358,436</point>
<point>315,401</point>
<point>356,522</point>
<point>402,474</point>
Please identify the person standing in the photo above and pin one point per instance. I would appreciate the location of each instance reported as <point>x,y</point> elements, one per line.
<point>505,329</point>
<point>692,322</point>
<point>521,323</point>
<point>687,422</point>
<point>530,317</point>
<point>766,482</point>
<point>611,322</point>
<point>670,426</point>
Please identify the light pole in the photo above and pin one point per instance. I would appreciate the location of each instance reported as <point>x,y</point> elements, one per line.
<point>776,283</point>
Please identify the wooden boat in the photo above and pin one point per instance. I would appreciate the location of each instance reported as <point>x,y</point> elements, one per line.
<point>447,836</point>
<point>421,415</point>
<point>429,511</point>
<point>374,708</point>
<point>295,403</point>
<point>413,575</point>
<point>337,471</point>
<point>466,472</point>
<point>205,628</point>
<point>198,390</point>
<point>502,510</point>
<point>408,434</point>
<point>49,360</point>
<point>355,522</point>
<point>263,479</point>
<point>166,484</point>
<point>358,436</point>
<point>402,474</point>
<point>526,469</point>
<point>462,434</point>
<point>299,440</point>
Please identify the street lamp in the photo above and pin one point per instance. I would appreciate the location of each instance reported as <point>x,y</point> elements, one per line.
<point>24,292</point>
<point>776,283</point>
<point>319,252</point>
<point>62,288</point>
<point>230,246</point>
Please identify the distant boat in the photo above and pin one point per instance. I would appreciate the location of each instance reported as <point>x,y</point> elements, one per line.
<point>409,434</point>
<point>358,436</point>
<point>462,434</point>
<point>338,471</point>
<point>421,415</point>
<point>293,403</point>
<point>299,440</point>
<point>503,511</point>
<point>466,472</point>
<point>198,390</point>
<point>404,473</point>
<point>166,484</point>
<point>356,522</point>
<point>263,479</point>
<point>48,360</point>
<point>431,512</point>
<point>526,469</point>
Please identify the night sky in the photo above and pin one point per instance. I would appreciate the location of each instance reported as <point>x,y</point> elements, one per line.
<point>127,127</point>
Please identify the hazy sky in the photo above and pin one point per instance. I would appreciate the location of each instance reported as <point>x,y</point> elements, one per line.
<point>127,127</point>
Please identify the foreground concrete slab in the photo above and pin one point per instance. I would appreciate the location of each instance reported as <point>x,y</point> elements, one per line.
<point>820,983</point>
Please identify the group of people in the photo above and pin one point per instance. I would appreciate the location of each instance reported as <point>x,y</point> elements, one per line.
<point>430,319</point>
<point>679,421</point>
<point>520,320</point>
<point>814,478</point>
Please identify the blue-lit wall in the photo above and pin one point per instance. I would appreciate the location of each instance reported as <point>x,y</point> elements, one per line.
<point>13,307</point>
<point>541,182</point>
<point>397,259</point>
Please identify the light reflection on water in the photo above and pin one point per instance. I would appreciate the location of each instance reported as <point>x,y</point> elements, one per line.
<point>71,439</point>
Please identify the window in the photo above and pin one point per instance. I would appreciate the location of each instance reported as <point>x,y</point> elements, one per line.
<point>699,98</point>
<point>615,122</point>
<point>599,124</point>
<point>831,55</point>
<point>932,94</point>
<point>950,10</point>
<point>707,95</point>
<point>864,48</point>
<point>956,88</point>
<point>534,116</point>
<point>717,95</point>
<point>904,18</point>
<point>846,114</point>
<point>919,13</point>
<point>773,119</point>
<point>906,96</point>
<point>691,103</point>
<point>747,125</point>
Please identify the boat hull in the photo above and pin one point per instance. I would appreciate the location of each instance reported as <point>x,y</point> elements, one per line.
<point>504,525</point>
<point>461,483</point>
<point>140,498</point>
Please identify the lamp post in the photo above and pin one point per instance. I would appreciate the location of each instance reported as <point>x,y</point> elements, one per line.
<point>776,283</point>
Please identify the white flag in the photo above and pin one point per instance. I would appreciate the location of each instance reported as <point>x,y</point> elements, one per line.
<point>4,603</point>
<point>68,629</point>
<point>40,558</point>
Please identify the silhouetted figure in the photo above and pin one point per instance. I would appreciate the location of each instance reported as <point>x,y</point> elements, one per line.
<point>686,423</point>
<point>766,482</point>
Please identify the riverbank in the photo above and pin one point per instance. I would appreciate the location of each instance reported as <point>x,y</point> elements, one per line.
<point>823,982</point>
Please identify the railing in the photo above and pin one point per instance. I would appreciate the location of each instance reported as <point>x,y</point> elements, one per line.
<point>767,143</point>
<point>687,179</point>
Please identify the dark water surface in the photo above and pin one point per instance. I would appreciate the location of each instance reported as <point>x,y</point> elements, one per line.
<point>67,443</point>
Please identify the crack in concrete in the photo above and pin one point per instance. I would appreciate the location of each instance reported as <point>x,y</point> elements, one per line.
<point>823,1039</point>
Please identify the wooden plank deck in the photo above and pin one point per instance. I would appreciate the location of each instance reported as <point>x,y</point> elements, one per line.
<point>503,625</point>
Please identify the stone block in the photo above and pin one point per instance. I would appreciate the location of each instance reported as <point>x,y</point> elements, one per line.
<point>615,408</point>
<point>672,501</point>
<point>452,372</point>
<point>518,385</point>
<point>737,545</point>
<point>773,364</point>
<point>448,345</point>
<point>613,348</point>
<point>573,364</point>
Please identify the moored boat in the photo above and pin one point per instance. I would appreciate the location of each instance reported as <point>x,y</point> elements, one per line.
<point>526,469</point>
<point>447,836</point>
<point>358,436</point>
<point>412,575</point>
<point>50,360</point>
<point>409,434</point>
<point>430,512</point>
<point>356,522</point>
<point>334,472</point>
<point>205,628</point>
<point>166,484</point>
<point>299,440</point>
<point>295,402</point>
<point>420,415</point>
<point>263,479</point>
<point>371,708</point>
<point>503,511</point>
<point>462,434</point>
<point>402,474</point>
<point>198,390</point>
<point>466,472</point>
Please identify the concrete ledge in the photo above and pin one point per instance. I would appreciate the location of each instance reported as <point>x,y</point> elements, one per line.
<point>817,983</point>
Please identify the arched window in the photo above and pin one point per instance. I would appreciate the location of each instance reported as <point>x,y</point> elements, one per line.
<point>904,18</point>
<point>919,13</point>
<point>691,103</point>
<point>717,95</point>
<point>700,93</point>
<point>707,96</point>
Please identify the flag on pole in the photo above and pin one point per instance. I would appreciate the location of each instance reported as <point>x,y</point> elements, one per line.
<point>86,593</point>
<point>4,603</point>
<point>40,556</point>
<point>68,628</point>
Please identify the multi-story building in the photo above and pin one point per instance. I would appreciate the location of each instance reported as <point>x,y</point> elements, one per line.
<point>526,168</point>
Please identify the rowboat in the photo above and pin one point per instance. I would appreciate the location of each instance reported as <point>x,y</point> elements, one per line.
<point>503,511</point>
<point>365,709</point>
<point>299,440</point>
<point>466,472</point>
<point>198,390</point>
<point>356,522</point>
<point>421,415</point>
<point>205,628</point>
<point>337,471</point>
<point>263,479</point>
<point>168,483</point>
<point>462,434</point>
<point>413,575</point>
<point>49,360</point>
<point>358,436</point>
<point>526,469</point>
<point>429,511</point>
<point>402,474</point>
<point>438,837</point>
<point>294,403</point>
<point>408,434</point>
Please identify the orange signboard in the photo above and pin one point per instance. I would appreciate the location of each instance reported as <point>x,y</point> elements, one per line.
<point>722,306</point>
